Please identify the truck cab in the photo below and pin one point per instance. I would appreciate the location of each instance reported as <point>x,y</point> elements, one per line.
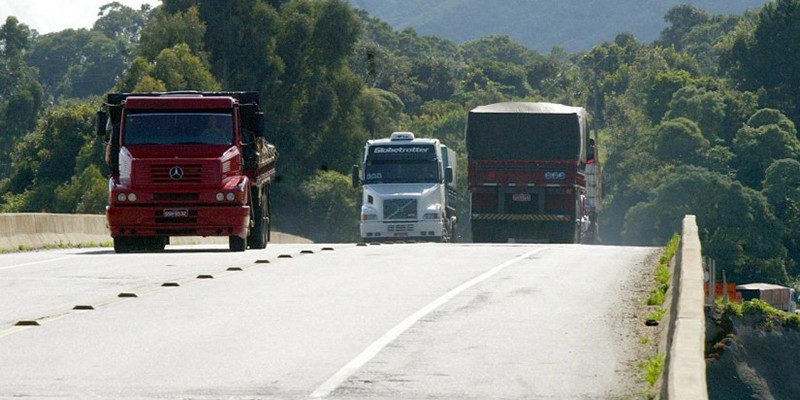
<point>405,184</point>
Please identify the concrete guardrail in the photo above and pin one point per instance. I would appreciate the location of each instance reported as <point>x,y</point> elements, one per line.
<point>39,230</point>
<point>684,375</point>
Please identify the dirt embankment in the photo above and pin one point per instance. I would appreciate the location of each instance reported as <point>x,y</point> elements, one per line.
<point>752,357</point>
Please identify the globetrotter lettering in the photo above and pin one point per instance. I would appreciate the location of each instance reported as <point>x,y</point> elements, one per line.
<point>404,149</point>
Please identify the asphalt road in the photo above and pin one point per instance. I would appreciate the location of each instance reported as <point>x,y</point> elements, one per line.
<point>401,321</point>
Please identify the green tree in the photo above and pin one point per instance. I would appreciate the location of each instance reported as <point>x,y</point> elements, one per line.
<point>782,190</point>
<point>511,78</point>
<point>681,19</point>
<point>500,48</point>
<point>118,21</point>
<point>18,113</point>
<point>435,79</point>
<point>679,141</point>
<point>242,37</point>
<point>14,38</point>
<point>768,136</point>
<point>179,69</point>
<point>46,158</point>
<point>333,213</point>
<point>766,55</point>
<point>175,68</point>
<point>85,193</point>
<point>736,226</point>
<point>21,95</point>
<point>77,63</point>
<point>166,31</point>
<point>383,112</point>
<point>706,108</point>
<point>663,86</point>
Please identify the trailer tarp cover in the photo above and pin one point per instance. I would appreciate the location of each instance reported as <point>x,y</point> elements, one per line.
<point>526,131</point>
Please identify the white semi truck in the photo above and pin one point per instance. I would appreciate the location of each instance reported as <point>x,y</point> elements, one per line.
<point>408,189</point>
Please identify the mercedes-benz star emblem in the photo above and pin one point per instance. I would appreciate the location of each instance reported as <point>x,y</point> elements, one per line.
<point>176,173</point>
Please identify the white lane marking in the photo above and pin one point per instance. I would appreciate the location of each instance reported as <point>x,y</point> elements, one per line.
<point>35,262</point>
<point>370,352</point>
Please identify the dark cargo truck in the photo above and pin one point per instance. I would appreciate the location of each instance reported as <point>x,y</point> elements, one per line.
<point>532,174</point>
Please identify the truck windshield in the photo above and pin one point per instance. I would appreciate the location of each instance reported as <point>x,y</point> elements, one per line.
<point>178,128</point>
<point>401,171</point>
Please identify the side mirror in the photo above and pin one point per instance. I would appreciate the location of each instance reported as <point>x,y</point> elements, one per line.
<point>102,120</point>
<point>448,175</point>
<point>355,177</point>
<point>260,124</point>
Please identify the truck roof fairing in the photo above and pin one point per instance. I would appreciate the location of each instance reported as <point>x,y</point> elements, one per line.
<point>530,108</point>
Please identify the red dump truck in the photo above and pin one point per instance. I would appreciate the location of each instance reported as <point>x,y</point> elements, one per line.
<point>186,164</point>
<point>532,174</point>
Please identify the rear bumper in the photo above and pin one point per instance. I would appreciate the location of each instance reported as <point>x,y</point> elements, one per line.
<point>178,221</point>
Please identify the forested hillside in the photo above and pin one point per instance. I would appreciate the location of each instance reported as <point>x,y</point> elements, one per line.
<point>702,120</point>
<point>573,25</point>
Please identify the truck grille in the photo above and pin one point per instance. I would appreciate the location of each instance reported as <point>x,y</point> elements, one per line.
<point>400,227</point>
<point>188,173</point>
<point>400,209</point>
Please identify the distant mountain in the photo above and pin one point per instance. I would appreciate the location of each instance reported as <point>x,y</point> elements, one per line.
<point>574,25</point>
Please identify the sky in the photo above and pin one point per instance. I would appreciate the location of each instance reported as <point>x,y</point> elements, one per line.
<point>48,16</point>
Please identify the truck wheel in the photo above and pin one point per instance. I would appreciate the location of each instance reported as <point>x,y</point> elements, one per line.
<point>453,229</point>
<point>259,235</point>
<point>155,243</point>
<point>236,243</point>
<point>123,244</point>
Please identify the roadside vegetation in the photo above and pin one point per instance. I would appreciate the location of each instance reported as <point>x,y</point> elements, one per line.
<point>663,278</point>
<point>751,346</point>
<point>650,365</point>
<point>700,121</point>
<point>766,316</point>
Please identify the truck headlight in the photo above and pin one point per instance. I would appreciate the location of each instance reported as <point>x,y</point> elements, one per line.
<point>126,197</point>
<point>369,217</point>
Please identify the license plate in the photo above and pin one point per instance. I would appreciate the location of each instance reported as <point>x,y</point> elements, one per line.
<point>176,213</point>
<point>401,234</point>
<point>521,197</point>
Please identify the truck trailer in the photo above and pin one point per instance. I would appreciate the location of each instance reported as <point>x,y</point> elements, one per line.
<point>408,189</point>
<point>532,173</point>
<point>186,164</point>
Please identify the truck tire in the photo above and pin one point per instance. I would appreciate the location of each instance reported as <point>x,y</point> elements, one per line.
<point>154,243</point>
<point>483,232</point>
<point>453,230</point>
<point>123,245</point>
<point>259,235</point>
<point>236,243</point>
